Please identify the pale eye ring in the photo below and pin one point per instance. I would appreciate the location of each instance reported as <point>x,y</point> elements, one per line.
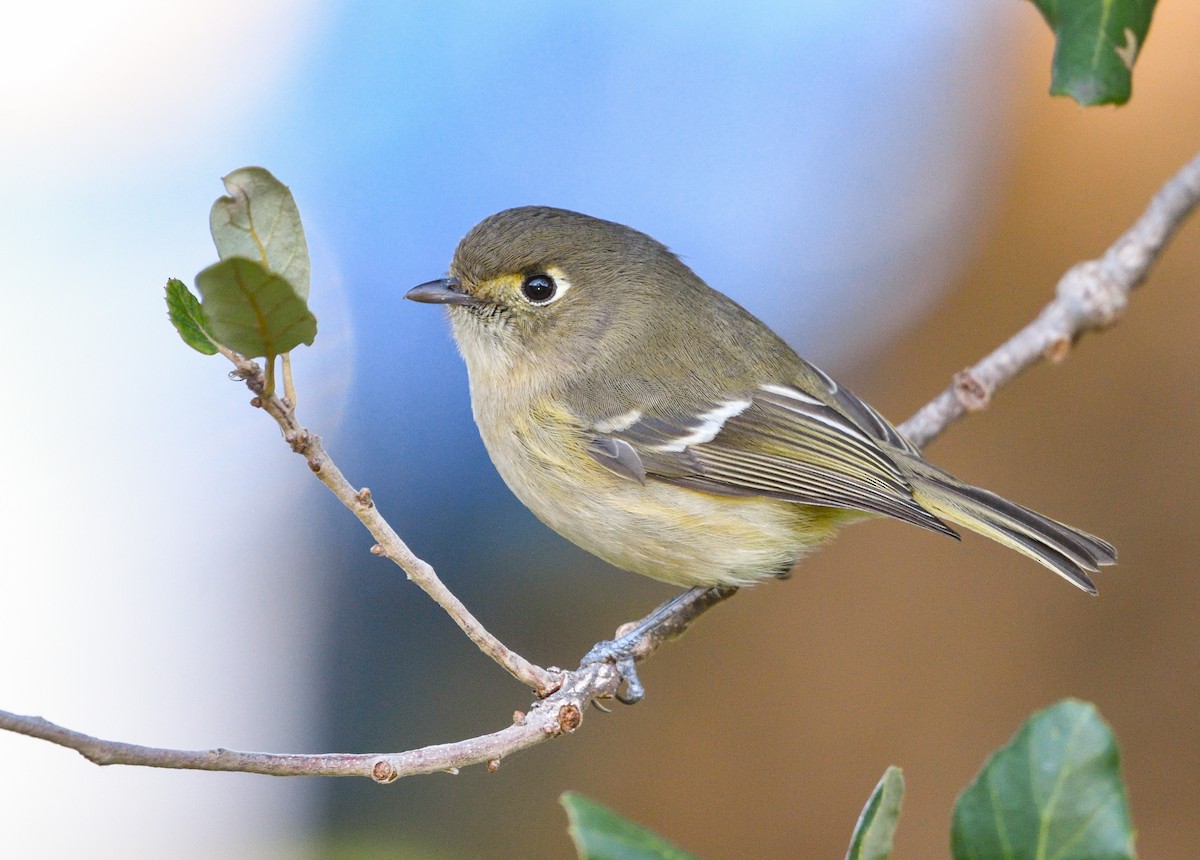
<point>538,288</point>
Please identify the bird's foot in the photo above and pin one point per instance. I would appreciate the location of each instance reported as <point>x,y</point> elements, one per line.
<point>637,639</point>
<point>620,653</point>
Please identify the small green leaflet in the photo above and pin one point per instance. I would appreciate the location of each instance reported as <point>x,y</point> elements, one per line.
<point>254,301</point>
<point>1096,45</point>
<point>259,220</point>
<point>253,311</point>
<point>601,834</point>
<point>184,310</point>
<point>876,828</point>
<point>1053,791</point>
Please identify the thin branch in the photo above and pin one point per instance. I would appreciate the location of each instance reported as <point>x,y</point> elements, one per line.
<point>560,713</point>
<point>1090,296</point>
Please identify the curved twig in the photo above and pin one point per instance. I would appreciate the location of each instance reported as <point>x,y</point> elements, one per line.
<point>389,545</point>
<point>1090,296</point>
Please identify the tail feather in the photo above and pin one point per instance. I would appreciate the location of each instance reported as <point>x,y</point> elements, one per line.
<point>1069,552</point>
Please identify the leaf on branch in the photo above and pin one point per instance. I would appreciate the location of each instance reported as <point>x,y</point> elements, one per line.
<point>259,220</point>
<point>1096,45</point>
<point>876,828</point>
<point>1055,790</point>
<point>183,308</point>
<point>601,834</point>
<point>253,311</point>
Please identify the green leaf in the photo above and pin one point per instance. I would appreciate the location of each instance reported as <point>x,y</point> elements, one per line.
<point>253,311</point>
<point>1054,792</point>
<point>601,834</point>
<point>872,839</point>
<point>184,311</point>
<point>259,220</point>
<point>1096,45</point>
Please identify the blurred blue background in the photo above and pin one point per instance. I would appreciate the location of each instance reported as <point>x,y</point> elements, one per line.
<point>177,578</point>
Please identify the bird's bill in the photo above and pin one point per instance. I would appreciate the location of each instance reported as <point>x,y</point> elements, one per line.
<point>445,291</point>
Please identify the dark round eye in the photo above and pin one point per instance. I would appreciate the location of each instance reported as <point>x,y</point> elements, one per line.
<point>539,289</point>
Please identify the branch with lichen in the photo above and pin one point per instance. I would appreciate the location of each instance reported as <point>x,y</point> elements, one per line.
<point>1089,297</point>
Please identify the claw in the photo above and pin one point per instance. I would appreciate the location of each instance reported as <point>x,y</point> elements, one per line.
<point>616,652</point>
<point>634,691</point>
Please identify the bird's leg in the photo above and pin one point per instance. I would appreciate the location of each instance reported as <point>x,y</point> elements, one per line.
<point>635,641</point>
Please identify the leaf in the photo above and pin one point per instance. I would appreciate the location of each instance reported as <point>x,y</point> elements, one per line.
<point>872,839</point>
<point>601,834</point>
<point>1096,45</point>
<point>184,311</point>
<point>259,220</point>
<point>253,311</point>
<point>1054,791</point>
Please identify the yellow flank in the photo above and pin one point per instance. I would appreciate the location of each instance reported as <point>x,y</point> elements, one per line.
<point>544,431</point>
<point>652,529</point>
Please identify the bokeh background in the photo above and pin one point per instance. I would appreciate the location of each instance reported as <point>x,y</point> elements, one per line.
<point>886,184</point>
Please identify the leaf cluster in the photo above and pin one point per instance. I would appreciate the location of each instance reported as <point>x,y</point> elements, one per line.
<point>255,300</point>
<point>1053,791</point>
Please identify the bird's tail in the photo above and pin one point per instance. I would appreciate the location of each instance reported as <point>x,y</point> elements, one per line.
<point>1069,552</point>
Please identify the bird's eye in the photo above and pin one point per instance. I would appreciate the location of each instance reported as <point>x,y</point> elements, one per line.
<point>539,289</point>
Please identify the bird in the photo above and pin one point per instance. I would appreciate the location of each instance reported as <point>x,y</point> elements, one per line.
<point>657,424</point>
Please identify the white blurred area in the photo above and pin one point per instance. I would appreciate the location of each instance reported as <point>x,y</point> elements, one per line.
<point>155,575</point>
<point>86,81</point>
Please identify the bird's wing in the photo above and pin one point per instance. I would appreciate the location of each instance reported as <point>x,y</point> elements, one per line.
<point>776,441</point>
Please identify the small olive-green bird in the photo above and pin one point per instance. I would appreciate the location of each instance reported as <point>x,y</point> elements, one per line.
<point>657,424</point>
